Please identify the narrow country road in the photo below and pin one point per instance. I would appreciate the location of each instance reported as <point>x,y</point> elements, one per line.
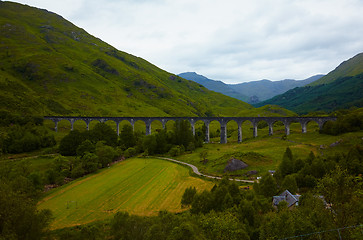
<point>196,171</point>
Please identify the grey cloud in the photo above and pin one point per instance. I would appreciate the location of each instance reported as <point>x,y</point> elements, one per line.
<point>232,40</point>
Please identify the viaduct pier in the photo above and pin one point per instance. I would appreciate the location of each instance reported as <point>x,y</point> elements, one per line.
<point>223,121</point>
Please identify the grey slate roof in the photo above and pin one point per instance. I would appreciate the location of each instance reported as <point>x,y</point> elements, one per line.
<point>288,197</point>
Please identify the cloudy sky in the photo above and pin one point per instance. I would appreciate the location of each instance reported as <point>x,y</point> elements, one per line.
<point>229,40</point>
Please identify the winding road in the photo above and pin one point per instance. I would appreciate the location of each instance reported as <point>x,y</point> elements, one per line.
<point>196,171</point>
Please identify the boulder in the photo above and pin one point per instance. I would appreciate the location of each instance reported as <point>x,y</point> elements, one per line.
<point>336,143</point>
<point>234,165</point>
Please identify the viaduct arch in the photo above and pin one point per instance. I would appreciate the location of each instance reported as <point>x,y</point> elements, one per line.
<point>207,120</point>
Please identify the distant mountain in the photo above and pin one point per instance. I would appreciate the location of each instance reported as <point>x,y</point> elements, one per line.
<point>265,89</point>
<point>341,88</point>
<point>251,92</point>
<point>217,86</point>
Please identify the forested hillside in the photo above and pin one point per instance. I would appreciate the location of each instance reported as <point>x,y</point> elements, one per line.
<point>341,88</point>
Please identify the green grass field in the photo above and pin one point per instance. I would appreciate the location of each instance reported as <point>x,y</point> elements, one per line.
<point>265,152</point>
<point>138,186</point>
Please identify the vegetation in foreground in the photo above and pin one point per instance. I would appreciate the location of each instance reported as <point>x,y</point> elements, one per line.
<point>227,210</point>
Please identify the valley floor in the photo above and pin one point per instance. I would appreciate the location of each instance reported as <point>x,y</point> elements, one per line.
<point>138,186</point>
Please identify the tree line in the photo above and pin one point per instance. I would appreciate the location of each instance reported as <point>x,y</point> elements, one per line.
<point>228,211</point>
<point>23,134</point>
<point>331,188</point>
<point>86,152</point>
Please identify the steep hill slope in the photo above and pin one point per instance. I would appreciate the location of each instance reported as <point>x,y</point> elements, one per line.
<point>251,92</point>
<point>48,66</point>
<point>349,68</point>
<point>341,88</point>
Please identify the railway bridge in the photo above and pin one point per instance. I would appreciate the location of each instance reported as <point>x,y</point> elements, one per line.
<point>207,120</point>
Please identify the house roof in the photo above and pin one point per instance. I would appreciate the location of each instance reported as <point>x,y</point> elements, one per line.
<point>288,197</point>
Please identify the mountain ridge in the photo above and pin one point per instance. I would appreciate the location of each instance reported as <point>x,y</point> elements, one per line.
<point>350,67</point>
<point>251,92</point>
<point>341,88</point>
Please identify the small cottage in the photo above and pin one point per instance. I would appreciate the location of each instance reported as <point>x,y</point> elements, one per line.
<point>291,199</point>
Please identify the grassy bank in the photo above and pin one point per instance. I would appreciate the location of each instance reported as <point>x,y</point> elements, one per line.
<point>265,152</point>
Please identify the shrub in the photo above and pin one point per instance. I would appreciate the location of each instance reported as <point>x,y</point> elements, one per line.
<point>130,152</point>
<point>90,162</point>
<point>188,196</point>
<point>69,143</point>
<point>176,151</point>
<point>105,153</point>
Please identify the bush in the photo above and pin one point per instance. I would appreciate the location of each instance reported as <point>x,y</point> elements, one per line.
<point>85,146</point>
<point>130,152</point>
<point>188,196</point>
<point>26,138</point>
<point>90,162</point>
<point>105,154</point>
<point>103,132</point>
<point>350,122</point>
<point>77,172</point>
<point>69,144</point>
<point>176,151</point>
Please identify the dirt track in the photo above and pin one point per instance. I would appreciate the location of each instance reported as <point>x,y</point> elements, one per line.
<point>196,171</point>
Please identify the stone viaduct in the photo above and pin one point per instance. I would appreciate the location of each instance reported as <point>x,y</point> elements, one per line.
<point>207,120</point>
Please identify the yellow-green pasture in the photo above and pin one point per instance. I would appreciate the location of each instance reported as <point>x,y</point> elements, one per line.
<point>141,186</point>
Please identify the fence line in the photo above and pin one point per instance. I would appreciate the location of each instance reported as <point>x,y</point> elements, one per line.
<point>330,230</point>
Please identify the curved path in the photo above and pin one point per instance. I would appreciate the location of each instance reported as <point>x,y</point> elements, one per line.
<point>196,171</point>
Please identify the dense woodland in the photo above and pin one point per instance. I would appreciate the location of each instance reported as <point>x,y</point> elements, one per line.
<point>226,212</point>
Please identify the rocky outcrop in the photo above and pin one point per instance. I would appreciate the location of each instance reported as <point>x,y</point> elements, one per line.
<point>234,165</point>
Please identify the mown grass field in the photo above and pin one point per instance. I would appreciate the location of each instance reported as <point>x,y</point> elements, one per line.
<point>138,186</point>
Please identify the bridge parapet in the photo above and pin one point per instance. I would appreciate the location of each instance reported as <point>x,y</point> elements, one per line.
<point>223,121</point>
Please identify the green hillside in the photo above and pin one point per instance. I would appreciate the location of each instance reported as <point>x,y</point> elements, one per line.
<point>341,88</point>
<point>48,66</point>
<point>349,68</point>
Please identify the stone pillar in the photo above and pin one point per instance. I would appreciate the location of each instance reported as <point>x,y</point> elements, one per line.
<point>270,128</point>
<point>255,129</point>
<point>303,127</point>
<point>132,124</point>
<point>72,122</point>
<point>240,132</point>
<point>118,128</point>
<point>87,123</point>
<point>223,133</point>
<point>321,123</point>
<point>287,128</point>
<point>56,126</point>
<point>207,139</point>
<point>148,127</point>
<point>163,122</point>
<point>193,128</point>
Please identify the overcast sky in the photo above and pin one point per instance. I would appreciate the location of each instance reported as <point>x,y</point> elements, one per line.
<point>229,40</point>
